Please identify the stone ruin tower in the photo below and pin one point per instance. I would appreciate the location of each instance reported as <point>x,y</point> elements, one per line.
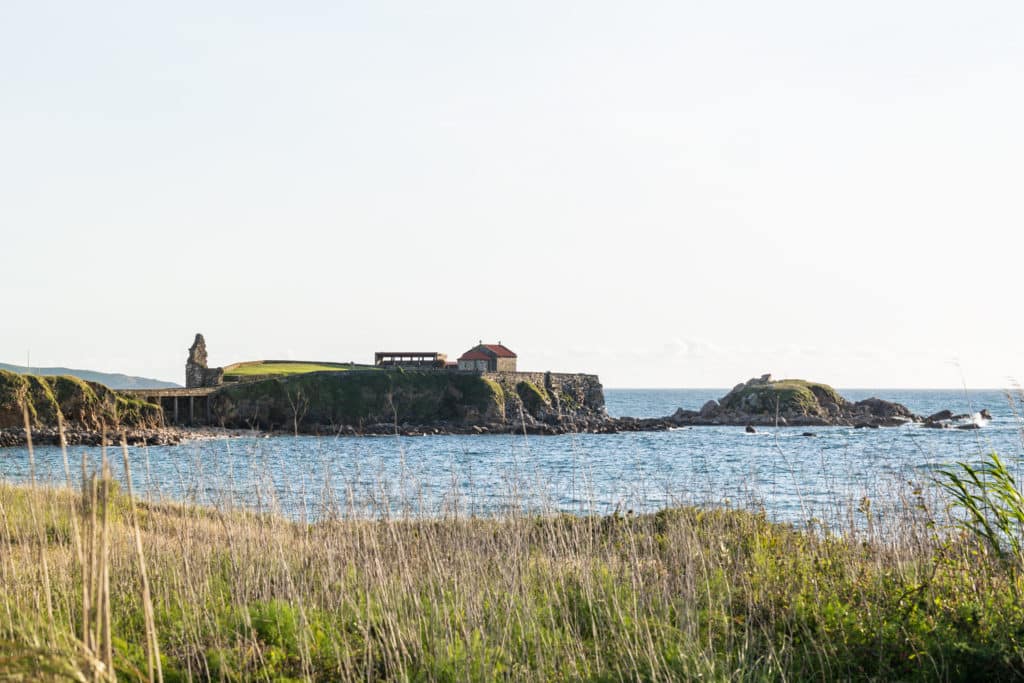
<point>197,374</point>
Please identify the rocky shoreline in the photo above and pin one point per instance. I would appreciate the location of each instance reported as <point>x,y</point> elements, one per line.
<point>682,419</point>
<point>155,436</point>
<point>173,436</point>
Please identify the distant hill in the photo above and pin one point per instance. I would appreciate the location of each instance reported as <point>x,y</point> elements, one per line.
<point>112,380</point>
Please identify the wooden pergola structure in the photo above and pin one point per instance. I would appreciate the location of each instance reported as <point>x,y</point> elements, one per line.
<point>418,359</point>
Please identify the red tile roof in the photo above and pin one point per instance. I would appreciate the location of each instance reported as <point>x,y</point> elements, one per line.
<point>487,352</point>
<point>500,350</point>
<point>473,354</point>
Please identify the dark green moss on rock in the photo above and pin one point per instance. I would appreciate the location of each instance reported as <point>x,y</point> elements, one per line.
<point>360,398</point>
<point>534,398</point>
<point>136,412</point>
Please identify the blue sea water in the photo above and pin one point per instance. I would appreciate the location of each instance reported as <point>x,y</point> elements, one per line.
<point>791,477</point>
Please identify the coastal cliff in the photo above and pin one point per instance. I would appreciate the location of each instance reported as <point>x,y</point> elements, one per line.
<point>380,401</point>
<point>86,408</point>
<point>542,402</point>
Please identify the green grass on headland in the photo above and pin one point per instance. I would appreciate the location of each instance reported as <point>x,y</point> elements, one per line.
<point>683,594</point>
<point>287,368</point>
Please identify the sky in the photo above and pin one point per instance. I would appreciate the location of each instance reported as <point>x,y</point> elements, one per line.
<point>667,194</point>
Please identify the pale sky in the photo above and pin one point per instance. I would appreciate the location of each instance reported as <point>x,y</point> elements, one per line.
<point>663,193</point>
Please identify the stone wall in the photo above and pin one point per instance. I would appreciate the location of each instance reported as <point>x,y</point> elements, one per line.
<point>505,364</point>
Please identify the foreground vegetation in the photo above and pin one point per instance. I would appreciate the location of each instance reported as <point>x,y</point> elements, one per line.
<point>95,581</point>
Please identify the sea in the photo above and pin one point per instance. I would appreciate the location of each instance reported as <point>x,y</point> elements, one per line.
<point>778,471</point>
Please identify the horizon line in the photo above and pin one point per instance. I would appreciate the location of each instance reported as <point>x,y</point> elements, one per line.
<point>842,388</point>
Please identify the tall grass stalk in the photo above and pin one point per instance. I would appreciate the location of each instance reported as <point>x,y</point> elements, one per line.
<point>152,643</point>
<point>43,561</point>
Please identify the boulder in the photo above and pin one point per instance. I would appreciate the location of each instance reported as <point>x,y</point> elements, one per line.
<point>885,409</point>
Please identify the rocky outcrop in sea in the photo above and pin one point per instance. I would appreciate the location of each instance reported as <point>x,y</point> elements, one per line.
<point>763,402</point>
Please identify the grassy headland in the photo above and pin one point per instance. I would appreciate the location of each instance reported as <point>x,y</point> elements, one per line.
<point>682,594</point>
<point>78,402</point>
<point>275,368</point>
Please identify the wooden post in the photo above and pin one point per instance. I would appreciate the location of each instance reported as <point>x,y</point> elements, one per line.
<point>175,410</point>
<point>191,409</point>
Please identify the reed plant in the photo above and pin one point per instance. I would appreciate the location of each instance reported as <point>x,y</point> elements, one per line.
<point>98,585</point>
<point>992,505</point>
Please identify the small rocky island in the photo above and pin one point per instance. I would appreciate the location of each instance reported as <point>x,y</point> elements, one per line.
<point>763,402</point>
